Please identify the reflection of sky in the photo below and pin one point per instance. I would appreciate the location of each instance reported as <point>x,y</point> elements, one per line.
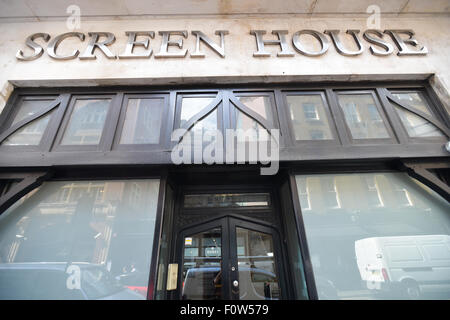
<point>191,106</point>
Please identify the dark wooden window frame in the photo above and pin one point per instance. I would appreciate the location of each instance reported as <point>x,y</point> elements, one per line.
<point>57,101</point>
<point>377,141</point>
<point>105,136</point>
<point>123,112</point>
<point>435,115</point>
<point>49,152</point>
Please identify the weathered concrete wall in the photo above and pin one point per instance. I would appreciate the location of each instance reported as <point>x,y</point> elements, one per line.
<point>238,66</point>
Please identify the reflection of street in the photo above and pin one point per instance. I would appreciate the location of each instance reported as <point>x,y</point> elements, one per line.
<point>104,223</point>
<point>59,280</point>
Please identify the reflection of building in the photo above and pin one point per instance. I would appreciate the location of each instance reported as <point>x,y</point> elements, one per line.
<point>143,121</point>
<point>86,123</point>
<point>362,193</point>
<point>309,118</point>
<point>363,117</point>
<point>83,222</point>
<point>339,209</point>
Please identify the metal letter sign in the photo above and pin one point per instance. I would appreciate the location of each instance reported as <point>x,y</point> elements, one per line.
<point>173,46</point>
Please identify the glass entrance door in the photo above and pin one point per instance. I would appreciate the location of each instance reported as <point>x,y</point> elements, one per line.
<point>230,258</point>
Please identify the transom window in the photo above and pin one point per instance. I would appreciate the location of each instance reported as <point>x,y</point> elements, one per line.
<point>218,200</point>
<point>308,121</point>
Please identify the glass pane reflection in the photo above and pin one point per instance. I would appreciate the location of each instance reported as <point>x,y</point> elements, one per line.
<point>79,240</point>
<point>190,106</point>
<point>86,122</point>
<point>308,117</point>
<point>413,99</point>
<point>253,131</point>
<point>417,126</point>
<point>28,108</point>
<point>218,200</point>
<point>389,238</point>
<point>258,279</point>
<point>202,266</point>
<point>362,116</point>
<point>262,106</point>
<point>142,121</point>
<point>259,104</point>
<point>30,134</point>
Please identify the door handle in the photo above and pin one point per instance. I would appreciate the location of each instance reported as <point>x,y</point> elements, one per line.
<point>235,283</point>
<point>172,276</point>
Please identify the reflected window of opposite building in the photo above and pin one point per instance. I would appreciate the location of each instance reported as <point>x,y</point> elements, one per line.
<point>86,122</point>
<point>88,239</point>
<point>390,238</point>
<point>362,116</point>
<point>309,117</point>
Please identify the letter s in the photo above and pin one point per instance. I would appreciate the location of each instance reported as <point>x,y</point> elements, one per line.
<point>38,50</point>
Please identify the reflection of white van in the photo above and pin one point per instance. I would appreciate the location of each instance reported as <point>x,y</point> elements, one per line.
<point>409,264</point>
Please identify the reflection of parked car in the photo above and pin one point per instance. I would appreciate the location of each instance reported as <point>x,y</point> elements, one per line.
<point>254,284</point>
<point>409,264</point>
<point>49,281</point>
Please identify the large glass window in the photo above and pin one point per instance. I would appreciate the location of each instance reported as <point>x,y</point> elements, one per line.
<point>79,240</point>
<point>388,237</point>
